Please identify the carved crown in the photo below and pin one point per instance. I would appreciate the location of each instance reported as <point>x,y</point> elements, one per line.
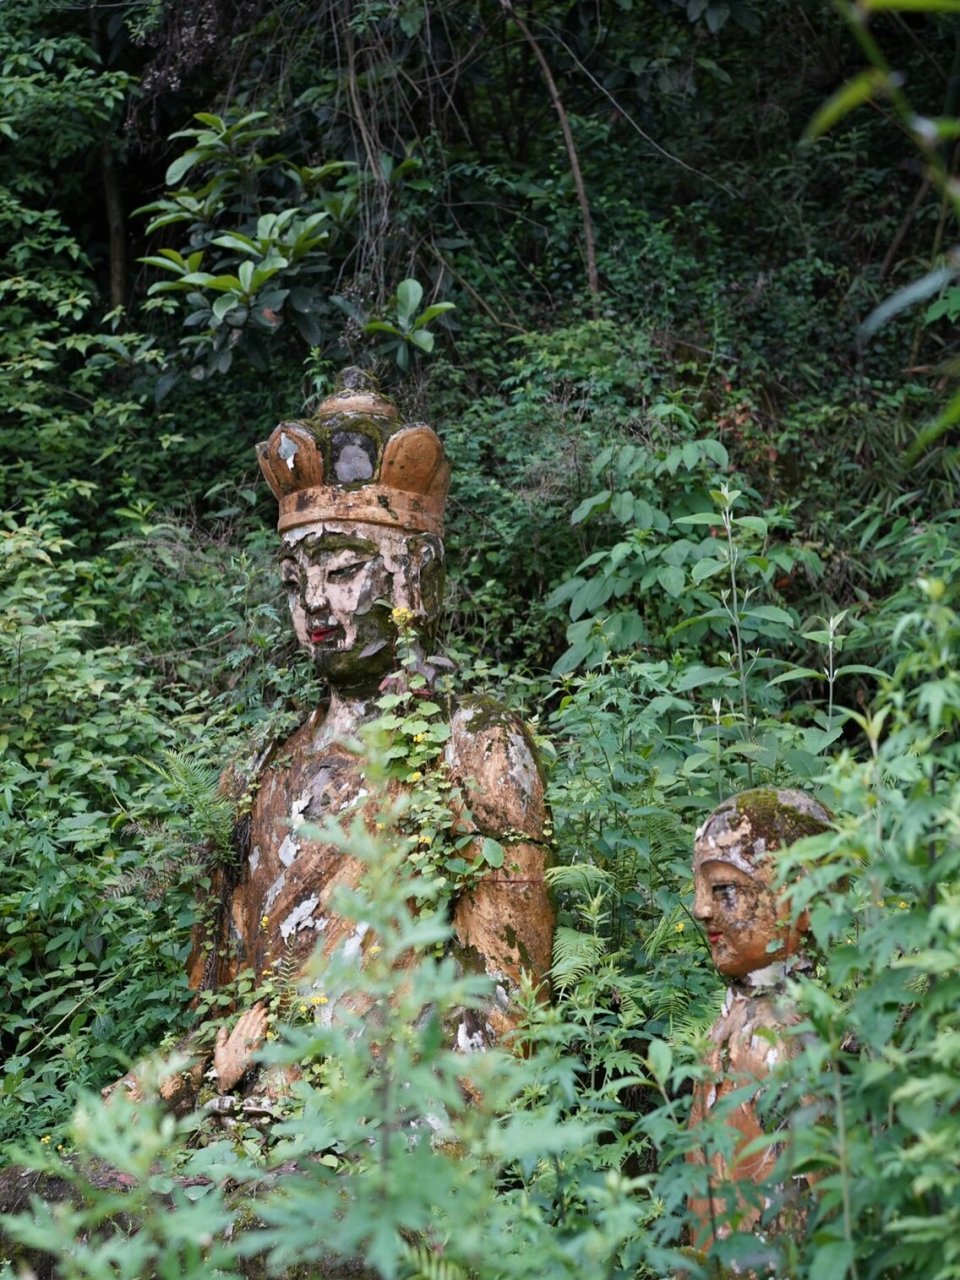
<point>355,461</point>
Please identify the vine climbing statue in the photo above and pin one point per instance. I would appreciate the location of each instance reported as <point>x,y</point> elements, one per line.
<point>361,498</point>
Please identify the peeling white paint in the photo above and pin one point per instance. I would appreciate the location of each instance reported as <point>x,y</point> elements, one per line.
<point>274,892</point>
<point>288,850</point>
<point>351,948</point>
<point>254,857</point>
<point>299,918</point>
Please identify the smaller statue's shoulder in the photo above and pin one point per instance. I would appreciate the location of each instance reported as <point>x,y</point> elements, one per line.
<point>493,756</point>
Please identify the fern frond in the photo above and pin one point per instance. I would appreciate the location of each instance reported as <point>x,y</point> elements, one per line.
<point>578,877</point>
<point>574,955</point>
<point>196,786</point>
<point>424,1264</point>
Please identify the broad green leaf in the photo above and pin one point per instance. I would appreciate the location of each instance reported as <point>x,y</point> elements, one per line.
<point>671,578</point>
<point>596,502</point>
<point>704,569</point>
<point>432,312</point>
<point>181,166</point>
<point>492,851</point>
<point>409,297</point>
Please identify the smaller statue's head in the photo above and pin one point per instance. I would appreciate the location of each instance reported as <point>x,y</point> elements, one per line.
<point>361,515</point>
<point>747,923</point>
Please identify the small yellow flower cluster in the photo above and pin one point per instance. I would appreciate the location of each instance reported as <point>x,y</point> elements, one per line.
<point>46,1139</point>
<point>419,737</point>
<point>679,926</point>
<point>319,1000</point>
<point>416,776</point>
<point>264,921</point>
<point>375,950</point>
<point>401,617</point>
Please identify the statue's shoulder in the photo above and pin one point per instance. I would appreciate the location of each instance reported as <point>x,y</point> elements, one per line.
<point>276,750</point>
<point>493,756</point>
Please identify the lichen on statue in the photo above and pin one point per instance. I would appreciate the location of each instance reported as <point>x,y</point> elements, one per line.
<point>758,943</point>
<point>361,505</point>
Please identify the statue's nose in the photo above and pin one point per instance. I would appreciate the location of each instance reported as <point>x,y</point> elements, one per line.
<point>701,903</point>
<point>315,596</point>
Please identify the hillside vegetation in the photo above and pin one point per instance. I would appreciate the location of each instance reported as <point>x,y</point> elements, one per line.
<point>675,282</point>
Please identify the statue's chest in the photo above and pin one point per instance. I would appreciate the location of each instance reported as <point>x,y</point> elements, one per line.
<point>291,873</point>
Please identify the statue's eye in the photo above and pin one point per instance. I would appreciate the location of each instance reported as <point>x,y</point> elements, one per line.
<point>344,572</point>
<point>725,894</point>
<point>289,574</point>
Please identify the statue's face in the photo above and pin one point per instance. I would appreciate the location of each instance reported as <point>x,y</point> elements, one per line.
<point>343,581</point>
<point>746,927</point>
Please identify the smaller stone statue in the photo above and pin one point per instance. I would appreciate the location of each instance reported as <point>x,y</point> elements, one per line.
<point>755,943</point>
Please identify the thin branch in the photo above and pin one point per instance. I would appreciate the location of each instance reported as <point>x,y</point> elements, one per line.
<point>593,278</point>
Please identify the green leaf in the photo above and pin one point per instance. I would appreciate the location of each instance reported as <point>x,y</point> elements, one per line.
<point>768,613</point>
<point>857,90</point>
<point>492,851</point>
<point>704,569</point>
<point>923,6</point>
<point>246,276</point>
<point>671,578</point>
<point>797,673</point>
<point>596,502</point>
<point>423,340</point>
<point>660,1060</point>
<point>181,166</point>
<point>935,429</point>
<point>432,312</point>
<point>409,297</point>
<point>754,523</point>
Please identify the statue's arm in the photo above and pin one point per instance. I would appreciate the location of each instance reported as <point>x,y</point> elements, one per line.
<point>504,923</point>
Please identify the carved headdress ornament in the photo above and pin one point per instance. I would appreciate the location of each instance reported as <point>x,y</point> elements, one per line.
<point>355,461</point>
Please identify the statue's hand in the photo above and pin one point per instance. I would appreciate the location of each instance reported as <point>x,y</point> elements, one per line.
<point>234,1050</point>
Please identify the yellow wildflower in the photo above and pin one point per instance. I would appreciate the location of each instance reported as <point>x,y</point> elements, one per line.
<point>902,905</point>
<point>679,926</point>
<point>264,921</point>
<point>374,950</point>
<point>401,617</point>
<point>319,1000</point>
<point>416,776</point>
<point>46,1138</point>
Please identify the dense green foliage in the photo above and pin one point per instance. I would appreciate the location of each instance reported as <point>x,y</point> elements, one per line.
<point>695,378</point>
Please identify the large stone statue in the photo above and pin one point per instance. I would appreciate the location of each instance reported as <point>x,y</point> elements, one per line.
<point>361,517</point>
<point>755,943</point>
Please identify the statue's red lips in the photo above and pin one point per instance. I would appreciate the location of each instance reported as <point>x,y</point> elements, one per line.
<point>321,634</point>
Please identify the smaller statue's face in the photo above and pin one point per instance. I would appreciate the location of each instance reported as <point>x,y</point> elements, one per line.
<point>342,582</point>
<point>746,927</point>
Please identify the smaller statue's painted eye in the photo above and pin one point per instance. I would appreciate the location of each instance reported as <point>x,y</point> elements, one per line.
<point>725,894</point>
<point>290,575</point>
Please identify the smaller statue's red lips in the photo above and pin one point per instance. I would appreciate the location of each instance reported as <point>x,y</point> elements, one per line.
<point>322,633</point>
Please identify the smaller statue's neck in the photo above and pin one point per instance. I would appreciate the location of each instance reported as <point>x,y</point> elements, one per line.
<point>774,976</point>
